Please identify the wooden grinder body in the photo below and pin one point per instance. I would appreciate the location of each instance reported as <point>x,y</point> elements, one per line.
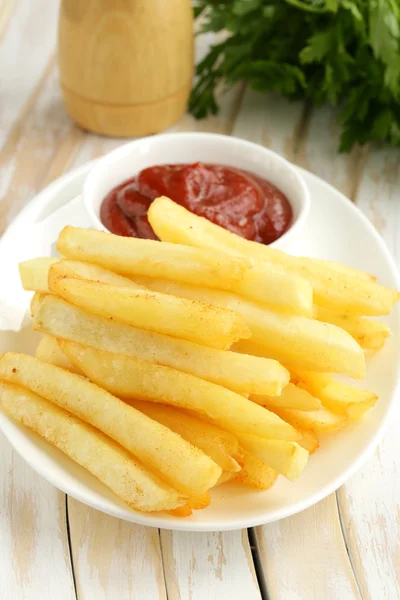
<point>126,66</point>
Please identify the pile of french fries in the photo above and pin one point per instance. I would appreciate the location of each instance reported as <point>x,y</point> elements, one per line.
<point>168,368</point>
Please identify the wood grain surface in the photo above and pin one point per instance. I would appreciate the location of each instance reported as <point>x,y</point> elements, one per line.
<point>347,546</point>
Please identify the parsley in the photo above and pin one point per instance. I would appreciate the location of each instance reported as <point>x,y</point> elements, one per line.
<point>341,52</point>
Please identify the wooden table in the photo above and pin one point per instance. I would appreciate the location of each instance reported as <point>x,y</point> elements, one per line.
<point>51,546</point>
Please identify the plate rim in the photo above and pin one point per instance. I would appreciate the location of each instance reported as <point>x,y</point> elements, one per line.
<point>37,204</point>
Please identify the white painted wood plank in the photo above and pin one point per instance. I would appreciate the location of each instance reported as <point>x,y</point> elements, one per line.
<point>26,158</point>
<point>33,528</point>
<point>271,121</point>
<point>114,558</point>
<point>313,144</point>
<point>25,49</point>
<point>370,502</point>
<point>212,566</point>
<point>34,555</point>
<point>318,152</point>
<point>304,557</point>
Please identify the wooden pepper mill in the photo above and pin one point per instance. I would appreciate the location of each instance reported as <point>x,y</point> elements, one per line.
<point>126,66</point>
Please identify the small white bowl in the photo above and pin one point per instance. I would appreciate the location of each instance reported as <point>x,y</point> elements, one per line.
<point>128,160</point>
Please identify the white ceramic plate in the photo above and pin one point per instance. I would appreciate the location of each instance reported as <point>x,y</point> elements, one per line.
<point>335,230</point>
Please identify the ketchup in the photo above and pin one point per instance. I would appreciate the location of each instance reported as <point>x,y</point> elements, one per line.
<point>232,198</point>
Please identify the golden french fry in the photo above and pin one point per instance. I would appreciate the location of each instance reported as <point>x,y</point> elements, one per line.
<point>309,441</point>
<point>283,292</point>
<point>317,421</point>
<point>291,397</point>
<point>187,468</point>
<point>131,256</point>
<point>35,302</point>
<point>347,400</point>
<point>226,476</point>
<point>342,289</point>
<point>132,378</point>
<point>370,334</point>
<point>195,321</point>
<point>181,511</point>
<point>312,381</point>
<point>238,372</point>
<point>302,341</point>
<point>218,444</point>
<point>200,501</point>
<point>286,458</point>
<point>255,473</point>
<point>134,256</point>
<point>100,455</point>
<point>34,274</point>
<point>49,351</point>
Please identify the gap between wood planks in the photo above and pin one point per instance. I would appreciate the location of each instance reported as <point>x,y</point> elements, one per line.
<point>71,556</point>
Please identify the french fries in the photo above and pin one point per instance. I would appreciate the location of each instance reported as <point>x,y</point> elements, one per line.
<point>187,468</point>
<point>169,369</point>
<point>310,380</point>
<point>34,274</point>
<point>317,421</point>
<point>255,473</point>
<point>49,351</point>
<point>134,256</point>
<point>238,372</point>
<point>284,292</point>
<point>291,397</point>
<point>286,458</point>
<point>101,456</point>
<point>192,320</point>
<point>222,446</point>
<point>128,377</point>
<point>35,302</point>
<point>305,342</point>
<point>370,334</point>
<point>309,441</point>
<point>347,400</point>
<point>334,287</point>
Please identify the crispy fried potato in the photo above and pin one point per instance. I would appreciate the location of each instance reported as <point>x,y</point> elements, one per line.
<point>226,476</point>
<point>370,334</point>
<point>309,441</point>
<point>310,380</point>
<point>187,468</point>
<point>181,511</point>
<point>100,455</point>
<point>132,378</point>
<point>291,397</point>
<point>283,292</point>
<point>255,473</point>
<point>37,299</point>
<point>316,421</point>
<point>218,444</point>
<point>238,372</point>
<point>347,400</point>
<point>286,458</point>
<point>305,342</point>
<point>335,287</point>
<point>191,320</point>
<point>134,256</point>
<point>49,351</point>
<point>34,274</point>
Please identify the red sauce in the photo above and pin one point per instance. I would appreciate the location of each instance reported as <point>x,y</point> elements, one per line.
<point>237,200</point>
